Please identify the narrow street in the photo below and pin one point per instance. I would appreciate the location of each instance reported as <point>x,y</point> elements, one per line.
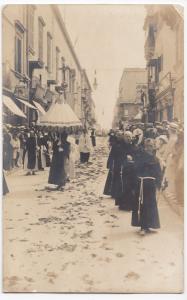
<point>78,241</point>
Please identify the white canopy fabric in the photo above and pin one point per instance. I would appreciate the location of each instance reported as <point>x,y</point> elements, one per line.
<point>26,103</point>
<point>60,114</point>
<point>39,107</point>
<point>138,116</point>
<point>9,103</point>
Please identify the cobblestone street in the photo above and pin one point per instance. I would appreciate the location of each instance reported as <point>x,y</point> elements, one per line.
<point>78,241</point>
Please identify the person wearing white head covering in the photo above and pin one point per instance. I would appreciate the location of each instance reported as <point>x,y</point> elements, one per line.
<point>169,177</point>
<point>161,145</point>
<point>73,157</point>
<point>138,133</point>
<point>128,134</point>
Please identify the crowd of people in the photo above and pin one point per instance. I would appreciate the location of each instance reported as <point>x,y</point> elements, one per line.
<point>36,148</point>
<point>144,160</point>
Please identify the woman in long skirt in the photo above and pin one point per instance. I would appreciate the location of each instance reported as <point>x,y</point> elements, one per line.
<point>58,170</point>
<point>30,158</point>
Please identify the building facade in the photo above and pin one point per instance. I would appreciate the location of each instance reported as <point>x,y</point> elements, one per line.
<point>164,53</point>
<point>132,94</point>
<point>39,61</point>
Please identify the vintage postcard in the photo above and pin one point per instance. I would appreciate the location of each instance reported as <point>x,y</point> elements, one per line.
<point>93,126</point>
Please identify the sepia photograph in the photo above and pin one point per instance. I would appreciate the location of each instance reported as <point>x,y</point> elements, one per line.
<point>92,148</point>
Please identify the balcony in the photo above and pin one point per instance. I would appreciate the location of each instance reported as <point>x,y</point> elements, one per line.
<point>36,64</point>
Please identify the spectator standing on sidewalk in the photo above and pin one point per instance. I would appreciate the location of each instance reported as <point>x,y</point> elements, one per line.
<point>16,149</point>
<point>7,149</point>
<point>93,137</point>
<point>84,147</point>
<point>22,138</point>
<point>30,160</point>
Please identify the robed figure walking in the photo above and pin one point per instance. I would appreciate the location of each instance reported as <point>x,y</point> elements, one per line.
<point>145,210</point>
<point>58,170</point>
<point>113,185</point>
<point>125,199</point>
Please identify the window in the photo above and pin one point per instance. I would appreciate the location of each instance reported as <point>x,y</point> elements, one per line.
<point>57,63</point>
<point>160,63</point>
<point>161,115</point>
<point>18,58</point>
<point>170,113</point>
<point>126,112</point>
<point>41,25</point>
<point>30,21</point>
<point>62,66</point>
<point>49,52</point>
<point>73,77</point>
<point>68,78</point>
<point>19,47</point>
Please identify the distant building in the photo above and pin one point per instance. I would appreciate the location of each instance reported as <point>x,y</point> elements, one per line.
<point>132,94</point>
<point>164,52</point>
<point>39,61</point>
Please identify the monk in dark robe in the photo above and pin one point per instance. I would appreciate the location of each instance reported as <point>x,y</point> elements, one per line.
<point>125,199</point>
<point>145,212</point>
<point>110,165</point>
<point>61,150</point>
<point>113,186</point>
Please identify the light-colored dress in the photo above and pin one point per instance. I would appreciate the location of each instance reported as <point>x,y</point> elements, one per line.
<point>16,147</point>
<point>73,157</point>
<point>85,143</point>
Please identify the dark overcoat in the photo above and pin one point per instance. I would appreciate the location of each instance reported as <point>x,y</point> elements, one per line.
<point>32,152</point>
<point>57,173</point>
<point>125,199</point>
<point>113,185</point>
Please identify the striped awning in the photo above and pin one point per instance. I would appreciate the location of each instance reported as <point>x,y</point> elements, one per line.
<point>9,103</point>
<point>60,115</point>
<point>26,103</point>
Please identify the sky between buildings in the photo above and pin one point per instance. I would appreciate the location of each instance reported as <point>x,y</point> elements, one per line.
<point>106,38</point>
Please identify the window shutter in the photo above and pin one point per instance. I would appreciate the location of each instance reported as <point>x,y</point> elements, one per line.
<point>19,55</point>
<point>49,52</point>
